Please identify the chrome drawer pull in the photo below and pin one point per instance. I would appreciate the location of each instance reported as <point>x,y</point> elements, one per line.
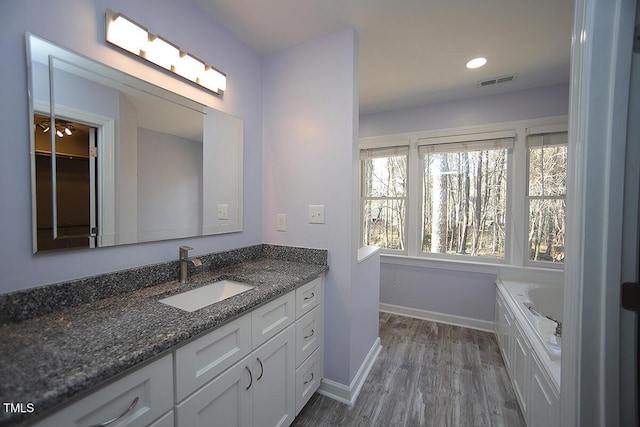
<point>307,382</point>
<point>122,415</point>
<point>310,335</point>
<point>310,297</point>
<point>261,369</point>
<point>250,378</point>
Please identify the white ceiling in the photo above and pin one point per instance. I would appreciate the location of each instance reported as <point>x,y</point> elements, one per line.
<point>413,52</point>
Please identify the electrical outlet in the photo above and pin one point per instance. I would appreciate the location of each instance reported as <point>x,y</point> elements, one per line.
<point>316,214</point>
<point>282,222</point>
<point>223,212</point>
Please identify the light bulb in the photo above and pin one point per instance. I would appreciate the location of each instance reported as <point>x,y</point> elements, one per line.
<point>127,34</point>
<point>476,62</point>
<point>161,53</point>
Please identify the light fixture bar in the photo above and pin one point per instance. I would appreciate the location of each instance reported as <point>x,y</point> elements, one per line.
<point>132,37</point>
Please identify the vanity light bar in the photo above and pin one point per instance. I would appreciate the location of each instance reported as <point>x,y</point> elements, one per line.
<point>132,37</point>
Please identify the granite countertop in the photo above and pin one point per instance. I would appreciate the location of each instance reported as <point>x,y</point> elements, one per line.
<point>49,359</point>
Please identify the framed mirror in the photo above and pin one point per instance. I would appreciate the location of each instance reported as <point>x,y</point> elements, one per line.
<point>117,160</point>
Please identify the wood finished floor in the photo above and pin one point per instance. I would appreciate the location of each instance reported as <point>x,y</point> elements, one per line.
<point>427,374</point>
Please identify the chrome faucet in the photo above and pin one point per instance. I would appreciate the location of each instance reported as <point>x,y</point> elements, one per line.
<point>184,263</point>
<point>558,332</point>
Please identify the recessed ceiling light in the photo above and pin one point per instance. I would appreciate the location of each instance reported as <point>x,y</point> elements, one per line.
<point>476,62</point>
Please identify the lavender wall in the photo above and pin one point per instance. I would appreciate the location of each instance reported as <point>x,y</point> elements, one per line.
<point>79,26</point>
<point>526,104</point>
<point>457,293</point>
<point>310,157</point>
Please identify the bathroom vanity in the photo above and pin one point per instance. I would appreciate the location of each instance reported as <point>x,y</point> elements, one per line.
<point>255,357</point>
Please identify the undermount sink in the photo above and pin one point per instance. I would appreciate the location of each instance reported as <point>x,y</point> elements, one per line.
<point>206,295</point>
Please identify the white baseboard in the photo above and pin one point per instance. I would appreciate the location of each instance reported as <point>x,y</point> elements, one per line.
<point>450,319</point>
<point>349,394</point>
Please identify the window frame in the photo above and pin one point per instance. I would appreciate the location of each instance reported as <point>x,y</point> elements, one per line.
<point>362,158</point>
<point>540,132</point>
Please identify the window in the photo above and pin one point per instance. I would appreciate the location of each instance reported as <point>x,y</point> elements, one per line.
<point>384,197</point>
<point>546,194</point>
<point>474,198</point>
<point>464,198</point>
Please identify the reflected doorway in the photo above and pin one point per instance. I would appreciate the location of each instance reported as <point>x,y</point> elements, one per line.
<point>66,199</point>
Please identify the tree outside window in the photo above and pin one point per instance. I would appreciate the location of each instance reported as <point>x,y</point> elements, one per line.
<point>464,200</point>
<point>546,196</point>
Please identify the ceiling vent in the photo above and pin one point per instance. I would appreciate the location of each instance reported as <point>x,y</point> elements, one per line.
<point>496,80</point>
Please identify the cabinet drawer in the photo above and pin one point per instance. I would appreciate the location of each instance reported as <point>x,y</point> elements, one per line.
<point>308,296</point>
<point>271,318</point>
<point>203,359</point>
<point>138,399</point>
<point>308,377</point>
<point>308,334</point>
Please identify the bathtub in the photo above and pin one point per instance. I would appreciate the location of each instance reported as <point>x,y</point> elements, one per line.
<point>541,306</point>
<point>531,307</point>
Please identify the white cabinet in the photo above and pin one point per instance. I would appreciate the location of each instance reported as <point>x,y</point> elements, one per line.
<point>274,399</point>
<point>309,338</point>
<point>264,385</point>
<point>308,377</point>
<point>308,296</point>
<point>137,399</point>
<point>224,401</point>
<point>544,407</point>
<point>504,320</point>
<point>308,334</point>
<point>271,318</point>
<point>207,357</point>
<point>257,391</point>
<point>520,361</point>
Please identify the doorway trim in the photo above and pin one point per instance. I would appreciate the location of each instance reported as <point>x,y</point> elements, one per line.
<point>600,69</point>
<point>106,165</point>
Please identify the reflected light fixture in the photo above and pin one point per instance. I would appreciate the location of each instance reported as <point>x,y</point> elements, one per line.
<point>62,128</point>
<point>132,37</point>
<point>476,62</point>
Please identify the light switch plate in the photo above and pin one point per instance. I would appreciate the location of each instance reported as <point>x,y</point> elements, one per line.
<point>282,222</point>
<point>223,212</point>
<point>316,214</point>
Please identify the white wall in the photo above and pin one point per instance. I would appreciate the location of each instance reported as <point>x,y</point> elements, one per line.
<point>169,185</point>
<point>466,293</point>
<point>80,26</point>
<point>310,157</point>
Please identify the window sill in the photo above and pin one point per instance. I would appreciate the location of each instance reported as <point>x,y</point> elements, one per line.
<point>505,271</point>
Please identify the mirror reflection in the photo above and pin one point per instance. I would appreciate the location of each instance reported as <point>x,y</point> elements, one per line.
<point>125,161</point>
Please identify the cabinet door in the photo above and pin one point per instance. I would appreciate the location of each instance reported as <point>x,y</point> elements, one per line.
<point>225,402</point>
<point>164,421</point>
<point>521,351</point>
<point>505,332</point>
<point>544,407</point>
<point>274,401</point>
